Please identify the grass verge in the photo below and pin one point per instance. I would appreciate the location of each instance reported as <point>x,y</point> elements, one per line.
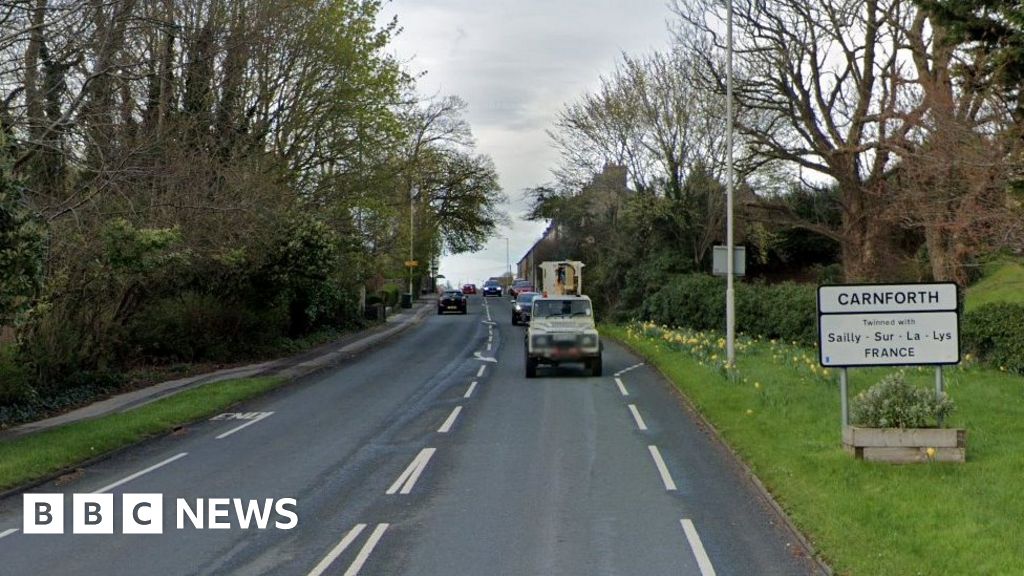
<point>1004,282</point>
<point>31,458</point>
<point>780,412</point>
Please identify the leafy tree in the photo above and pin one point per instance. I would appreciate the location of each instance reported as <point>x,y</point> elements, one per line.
<point>22,245</point>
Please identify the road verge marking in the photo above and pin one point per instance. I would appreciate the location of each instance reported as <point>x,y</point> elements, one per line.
<point>366,550</point>
<point>337,550</point>
<point>407,480</point>
<point>666,478</point>
<point>627,369</point>
<point>622,387</point>
<point>636,416</point>
<point>447,426</point>
<point>249,423</point>
<point>469,392</point>
<point>7,533</point>
<point>480,372</point>
<point>127,479</point>
<point>706,569</point>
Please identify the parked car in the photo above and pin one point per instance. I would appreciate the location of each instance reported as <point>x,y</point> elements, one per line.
<point>451,301</point>
<point>469,289</point>
<point>520,285</point>
<point>492,288</point>
<point>523,307</point>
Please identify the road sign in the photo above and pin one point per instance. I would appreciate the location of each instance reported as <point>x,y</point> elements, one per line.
<point>411,263</point>
<point>888,325</point>
<point>720,257</point>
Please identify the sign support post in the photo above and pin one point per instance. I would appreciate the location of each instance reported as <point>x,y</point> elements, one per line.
<point>938,388</point>
<point>844,397</point>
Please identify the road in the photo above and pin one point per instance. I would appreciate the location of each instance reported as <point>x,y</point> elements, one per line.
<point>433,455</point>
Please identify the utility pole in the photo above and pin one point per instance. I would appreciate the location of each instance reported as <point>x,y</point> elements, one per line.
<point>730,295</point>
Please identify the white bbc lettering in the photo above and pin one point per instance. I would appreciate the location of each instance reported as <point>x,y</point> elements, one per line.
<point>43,514</point>
<point>142,514</point>
<point>92,514</point>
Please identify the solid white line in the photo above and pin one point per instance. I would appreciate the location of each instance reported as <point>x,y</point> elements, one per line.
<point>706,569</point>
<point>469,392</point>
<point>249,423</point>
<point>447,426</point>
<point>127,479</point>
<point>405,482</point>
<point>7,533</point>
<point>622,387</point>
<point>480,372</point>
<point>337,550</point>
<point>488,346</point>
<point>636,416</point>
<point>366,550</point>
<point>666,478</point>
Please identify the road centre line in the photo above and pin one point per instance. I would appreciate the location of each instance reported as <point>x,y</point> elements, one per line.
<point>447,426</point>
<point>8,532</point>
<point>624,370</point>
<point>666,478</point>
<point>469,392</point>
<point>366,550</point>
<point>480,372</point>
<point>127,479</point>
<point>337,550</point>
<point>249,423</point>
<point>636,416</point>
<point>407,480</point>
<point>622,387</point>
<point>703,562</point>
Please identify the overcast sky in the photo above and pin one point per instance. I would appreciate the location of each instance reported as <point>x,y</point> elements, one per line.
<point>516,63</point>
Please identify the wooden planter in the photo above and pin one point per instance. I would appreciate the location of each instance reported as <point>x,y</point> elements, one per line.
<point>902,445</point>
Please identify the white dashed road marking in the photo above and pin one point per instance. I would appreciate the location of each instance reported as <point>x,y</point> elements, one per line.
<point>337,550</point>
<point>260,416</point>
<point>6,533</point>
<point>706,569</point>
<point>447,426</point>
<point>666,478</point>
<point>366,550</point>
<point>127,479</point>
<point>636,416</point>
<point>622,387</point>
<point>472,387</point>
<point>407,480</point>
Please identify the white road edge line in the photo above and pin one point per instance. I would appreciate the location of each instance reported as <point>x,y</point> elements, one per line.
<point>480,372</point>
<point>366,550</point>
<point>7,533</point>
<point>127,479</point>
<point>447,426</point>
<point>622,387</point>
<point>249,423</point>
<point>337,550</point>
<point>636,416</point>
<point>666,478</point>
<point>407,480</point>
<point>469,392</point>
<point>706,569</point>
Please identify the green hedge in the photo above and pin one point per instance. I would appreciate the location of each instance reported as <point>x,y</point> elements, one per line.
<point>786,311</point>
<point>992,333</point>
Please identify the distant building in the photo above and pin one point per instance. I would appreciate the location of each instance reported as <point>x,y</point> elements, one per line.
<point>605,193</point>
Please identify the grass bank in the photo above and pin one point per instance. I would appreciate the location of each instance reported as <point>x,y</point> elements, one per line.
<point>30,458</point>
<point>780,412</point>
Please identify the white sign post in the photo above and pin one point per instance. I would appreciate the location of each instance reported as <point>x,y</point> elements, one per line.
<point>888,325</point>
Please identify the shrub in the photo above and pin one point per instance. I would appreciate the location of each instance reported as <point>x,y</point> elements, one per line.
<point>895,403</point>
<point>992,334</point>
<point>787,311</point>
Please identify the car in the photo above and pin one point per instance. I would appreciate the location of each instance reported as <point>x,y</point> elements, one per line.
<point>492,288</point>
<point>520,285</point>
<point>521,309</point>
<point>469,289</point>
<point>451,300</point>
<point>562,329</point>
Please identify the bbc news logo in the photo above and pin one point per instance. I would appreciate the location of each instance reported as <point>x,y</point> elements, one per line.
<point>144,514</point>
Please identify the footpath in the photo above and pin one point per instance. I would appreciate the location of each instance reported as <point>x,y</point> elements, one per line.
<point>292,367</point>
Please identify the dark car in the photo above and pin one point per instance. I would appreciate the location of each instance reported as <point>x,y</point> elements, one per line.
<point>519,286</point>
<point>492,288</point>
<point>523,307</point>
<point>451,301</point>
<point>469,289</point>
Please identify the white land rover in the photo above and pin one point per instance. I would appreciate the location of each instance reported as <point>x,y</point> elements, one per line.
<point>562,330</point>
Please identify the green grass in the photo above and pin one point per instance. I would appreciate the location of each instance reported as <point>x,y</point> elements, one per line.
<point>1003,282</point>
<point>781,414</point>
<point>31,458</point>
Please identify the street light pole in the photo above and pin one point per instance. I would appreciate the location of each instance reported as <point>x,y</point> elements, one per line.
<point>508,262</point>
<point>412,232</point>
<point>730,295</point>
